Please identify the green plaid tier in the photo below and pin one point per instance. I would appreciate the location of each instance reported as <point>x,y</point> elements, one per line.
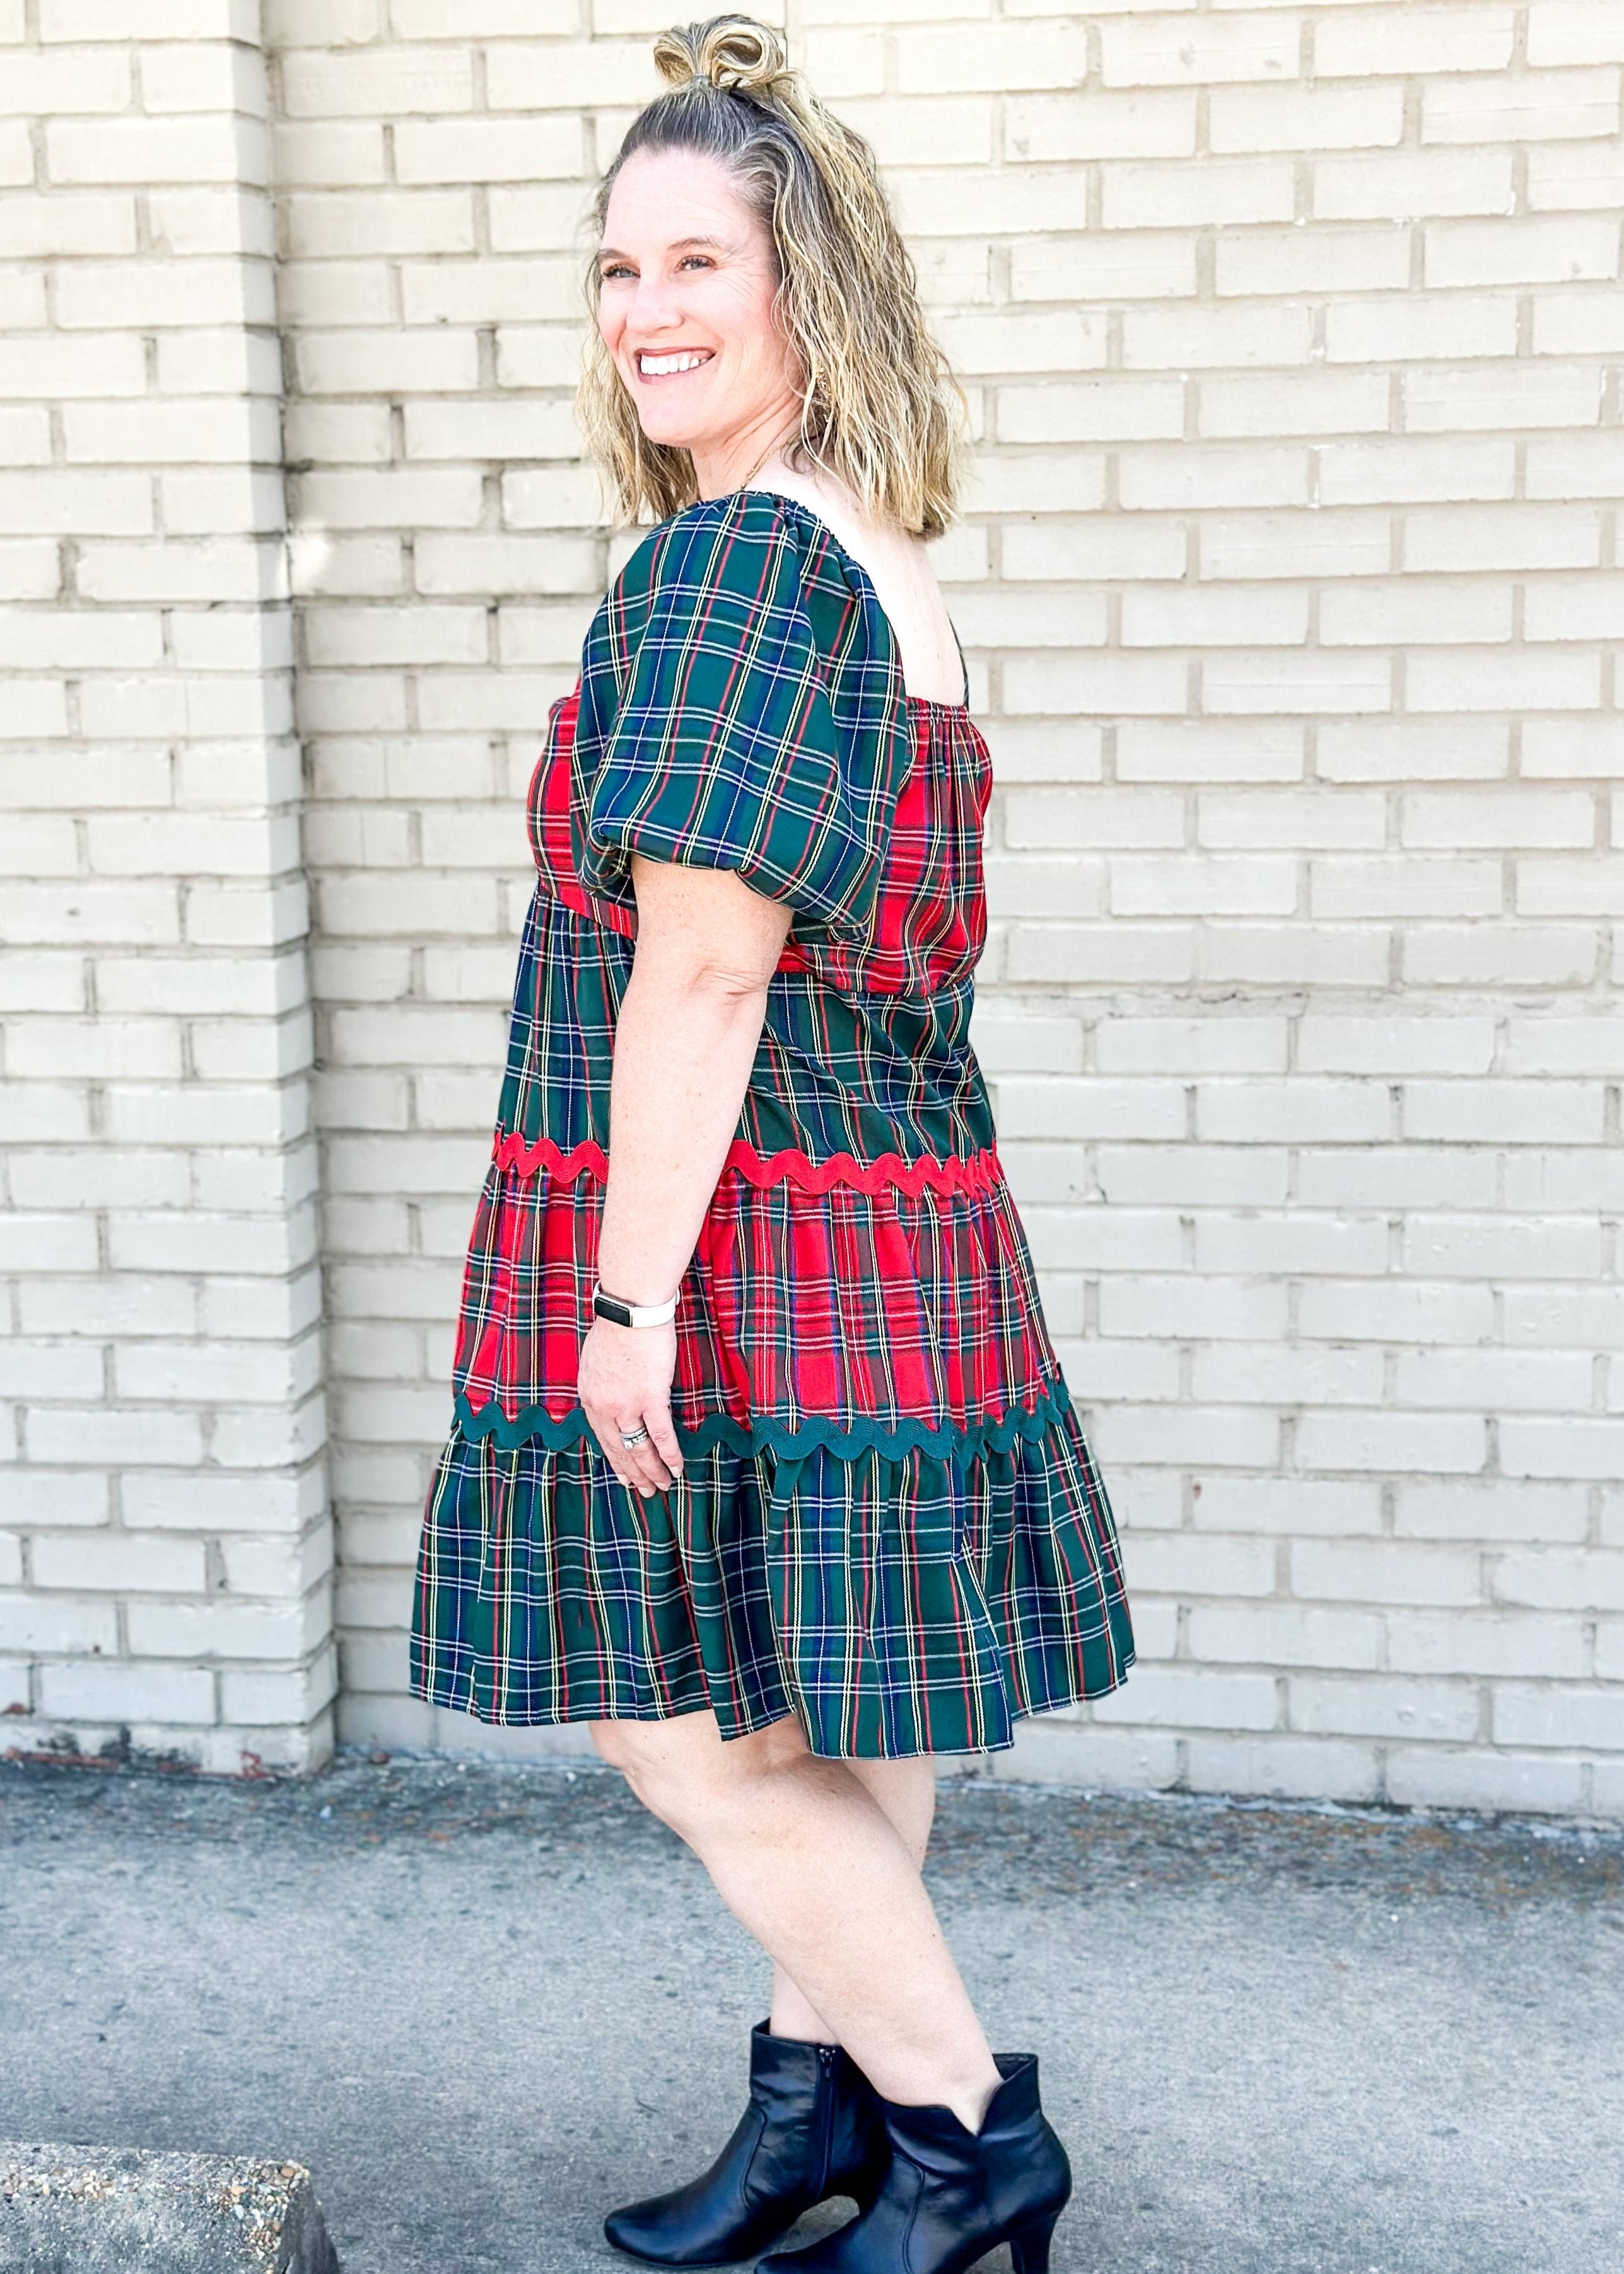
<point>890,1523</point>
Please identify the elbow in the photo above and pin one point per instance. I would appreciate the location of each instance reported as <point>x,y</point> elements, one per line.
<point>729,985</point>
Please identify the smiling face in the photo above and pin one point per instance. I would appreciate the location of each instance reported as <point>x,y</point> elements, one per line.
<point>686,279</point>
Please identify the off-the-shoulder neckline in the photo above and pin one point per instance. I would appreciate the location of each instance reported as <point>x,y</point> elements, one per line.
<point>960,710</point>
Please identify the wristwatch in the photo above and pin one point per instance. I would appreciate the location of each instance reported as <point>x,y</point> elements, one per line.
<point>631,1314</point>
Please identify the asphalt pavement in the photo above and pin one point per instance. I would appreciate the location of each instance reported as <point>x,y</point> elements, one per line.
<point>485,2003</point>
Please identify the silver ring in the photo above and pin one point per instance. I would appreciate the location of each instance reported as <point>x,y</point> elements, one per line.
<point>639,1436</point>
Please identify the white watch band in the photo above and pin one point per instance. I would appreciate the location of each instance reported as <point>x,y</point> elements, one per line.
<point>605,1306</point>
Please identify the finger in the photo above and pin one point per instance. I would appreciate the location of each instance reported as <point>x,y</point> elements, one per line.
<point>652,1473</point>
<point>663,1431</point>
<point>606,1434</point>
<point>637,1466</point>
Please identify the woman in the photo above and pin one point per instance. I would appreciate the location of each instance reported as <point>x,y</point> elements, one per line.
<point>763,1463</point>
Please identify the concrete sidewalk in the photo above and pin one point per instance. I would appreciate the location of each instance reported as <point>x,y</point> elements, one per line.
<point>485,2003</point>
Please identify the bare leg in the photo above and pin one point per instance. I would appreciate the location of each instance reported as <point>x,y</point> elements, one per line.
<point>906,1792</point>
<point>806,1858</point>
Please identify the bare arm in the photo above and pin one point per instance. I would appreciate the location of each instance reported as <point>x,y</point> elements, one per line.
<point>685,1042</point>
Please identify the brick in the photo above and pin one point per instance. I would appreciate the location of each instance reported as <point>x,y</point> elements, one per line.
<point>1040,1107</point>
<point>1491,1247</point>
<point>1191,1563</point>
<point>40,228</point>
<point>1183,339</point>
<point>1294,1246</point>
<point>1107,951</point>
<point>1224,189</point>
<point>1097,817</point>
<point>1288,817</point>
<point>212,1631</point>
<point>367,225</point>
<point>487,149</point>
<point>328,156</point>
<point>1064,340</point>
<point>1377,1707</point>
<point>489,430</point>
<point>1209,1306</point>
<point>143,151</point>
<point>33,1623</point>
<point>1390,885</point>
<point>1285,1505</point>
<point>378,82</point>
<point>1554,1578</point>
<point>1571,32</point>
<point>1322,956</point>
<point>1435,1777</point>
<point>1584,1719</point>
<point>1422,1642</point>
<point>1477,955</point>
<point>1207,749</point>
<point>121,1692</point>
<point>1523,251</point>
<point>1412,184</point>
<point>210,1502</point>
<point>1436,39</point>
<point>120,1561</point>
<point>1257,118</point>
<point>1382,1572</point>
<point>1562,887</point>
<point>1124,265</point>
<point>391,498</point>
<point>169,433</point>
<point>1569,176</point>
<point>1283,1767</point>
<point>387,362</point>
<point>39,80</point>
<point>1540,107</point>
<point>1506,1112</point>
<point>1282,1634</point>
<point>1398,330</point>
<point>991,57</point>
<point>1489,1510</point>
<point>1570,1447</point>
<point>138,1435</point>
<point>1172,50</point>
<point>1413,613</point>
<point>1306,404</point>
<point>1208,616</point>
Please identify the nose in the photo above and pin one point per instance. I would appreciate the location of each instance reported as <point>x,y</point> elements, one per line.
<point>655,307</point>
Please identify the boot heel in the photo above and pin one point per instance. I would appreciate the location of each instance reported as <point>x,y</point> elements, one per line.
<point>1030,2249</point>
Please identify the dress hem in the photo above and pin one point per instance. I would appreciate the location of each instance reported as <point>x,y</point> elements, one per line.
<point>748,1726</point>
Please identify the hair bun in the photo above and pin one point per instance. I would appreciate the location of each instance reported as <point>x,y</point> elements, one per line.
<point>733,53</point>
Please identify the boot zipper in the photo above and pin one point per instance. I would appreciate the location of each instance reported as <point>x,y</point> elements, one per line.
<point>826,2114</point>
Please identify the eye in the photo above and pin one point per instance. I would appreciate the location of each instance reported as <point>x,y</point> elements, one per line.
<point>701,260</point>
<point>615,268</point>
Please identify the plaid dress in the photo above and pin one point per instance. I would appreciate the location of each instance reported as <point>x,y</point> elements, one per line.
<point>889,1523</point>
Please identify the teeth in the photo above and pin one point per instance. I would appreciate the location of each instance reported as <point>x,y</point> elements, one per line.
<point>657,366</point>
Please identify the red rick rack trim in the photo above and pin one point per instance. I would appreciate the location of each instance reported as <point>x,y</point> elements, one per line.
<point>975,1172</point>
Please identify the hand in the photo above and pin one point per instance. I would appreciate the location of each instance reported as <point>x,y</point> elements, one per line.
<point>624,1382</point>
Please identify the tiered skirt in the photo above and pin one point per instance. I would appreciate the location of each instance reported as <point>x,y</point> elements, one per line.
<point>889,1523</point>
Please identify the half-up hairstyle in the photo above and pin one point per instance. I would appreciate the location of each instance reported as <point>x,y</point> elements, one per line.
<point>880,408</point>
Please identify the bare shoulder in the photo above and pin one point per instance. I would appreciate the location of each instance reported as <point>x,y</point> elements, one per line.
<point>903,576</point>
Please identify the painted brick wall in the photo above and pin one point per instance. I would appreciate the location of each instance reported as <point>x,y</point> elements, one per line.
<point>164,1541</point>
<point>1290,586</point>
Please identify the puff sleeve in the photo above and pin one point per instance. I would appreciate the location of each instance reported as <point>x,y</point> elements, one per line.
<point>723,739</point>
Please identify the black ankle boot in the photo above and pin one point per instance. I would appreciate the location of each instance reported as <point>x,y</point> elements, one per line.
<point>952,2195</point>
<point>813,2129</point>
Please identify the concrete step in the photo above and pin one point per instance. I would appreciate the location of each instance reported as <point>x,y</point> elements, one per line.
<point>131,2210</point>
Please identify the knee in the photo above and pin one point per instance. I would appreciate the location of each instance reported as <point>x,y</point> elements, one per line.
<point>686,1774</point>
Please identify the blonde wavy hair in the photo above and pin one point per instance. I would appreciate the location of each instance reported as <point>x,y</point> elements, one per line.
<point>880,408</point>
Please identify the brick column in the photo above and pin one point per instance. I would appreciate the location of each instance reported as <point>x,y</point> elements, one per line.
<point>163,1568</point>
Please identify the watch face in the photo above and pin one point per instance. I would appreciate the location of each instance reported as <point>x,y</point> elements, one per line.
<point>607,1307</point>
